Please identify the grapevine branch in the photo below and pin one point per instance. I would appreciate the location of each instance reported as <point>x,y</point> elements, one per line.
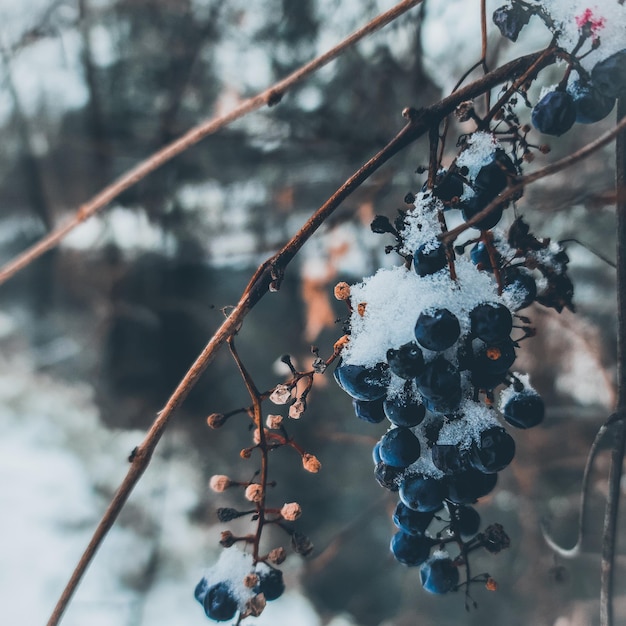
<point>271,96</point>
<point>268,274</point>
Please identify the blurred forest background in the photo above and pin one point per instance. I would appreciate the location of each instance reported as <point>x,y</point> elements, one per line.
<point>96,334</point>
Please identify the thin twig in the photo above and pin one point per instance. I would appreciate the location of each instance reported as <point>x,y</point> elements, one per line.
<point>270,96</point>
<point>609,542</point>
<point>269,273</point>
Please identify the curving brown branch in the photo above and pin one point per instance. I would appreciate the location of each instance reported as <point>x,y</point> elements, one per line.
<point>272,95</point>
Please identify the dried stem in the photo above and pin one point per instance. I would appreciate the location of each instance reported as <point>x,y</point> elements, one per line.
<point>255,396</point>
<point>269,97</point>
<point>619,444</point>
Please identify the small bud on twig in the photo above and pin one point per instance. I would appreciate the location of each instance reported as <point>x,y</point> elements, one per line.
<point>254,492</point>
<point>361,308</point>
<point>342,291</point>
<point>297,409</point>
<point>250,580</point>
<point>277,556</point>
<point>255,606</point>
<point>291,511</point>
<point>281,394</point>
<point>227,539</point>
<point>216,420</point>
<point>274,421</point>
<point>310,463</point>
<point>226,514</point>
<point>219,482</point>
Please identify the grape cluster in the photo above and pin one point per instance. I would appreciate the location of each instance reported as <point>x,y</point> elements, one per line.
<point>234,585</point>
<point>586,99</point>
<point>429,347</point>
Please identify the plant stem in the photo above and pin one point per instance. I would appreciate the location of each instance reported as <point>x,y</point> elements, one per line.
<point>619,444</point>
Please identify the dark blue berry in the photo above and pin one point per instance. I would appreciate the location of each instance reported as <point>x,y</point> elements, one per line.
<point>201,589</point>
<point>493,451</point>
<point>429,258</point>
<point>474,205</point>
<point>448,186</point>
<point>490,362</point>
<point>609,75</point>
<point>466,487</point>
<point>422,493</point>
<point>410,550</point>
<point>555,113</point>
<point>440,385</point>
<point>399,447</point>
<point>219,602</point>
<point>491,322</point>
<point>386,476</point>
<point>403,411</point>
<point>591,105</point>
<point>449,459</point>
<point>270,584</point>
<point>511,19</point>
<point>369,411</point>
<point>466,520</point>
<point>520,283</point>
<point>439,575</point>
<point>363,383</point>
<point>437,329</point>
<point>407,361</point>
<point>524,409</point>
<point>410,521</point>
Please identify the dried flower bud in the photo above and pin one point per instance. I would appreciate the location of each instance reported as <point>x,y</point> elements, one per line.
<point>281,395</point>
<point>254,492</point>
<point>219,482</point>
<point>544,148</point>
<point>255,606</point>
<point>301,544</point>
<point>495,539</point>
<point>361,308</point>
<point>246,453</point>
<point>226,514</point>
<point>216,420</point>
<point>297,409</point>
<point>227,539</point>
<point>274,421</point>
<point>310,463</point>
<point>342,291</point>
<point>274,286</point>
<point>291,511</point>
<point>250,580</point>
<point>491,584</point>
<point>340,344</point>
<point>277,556</point>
